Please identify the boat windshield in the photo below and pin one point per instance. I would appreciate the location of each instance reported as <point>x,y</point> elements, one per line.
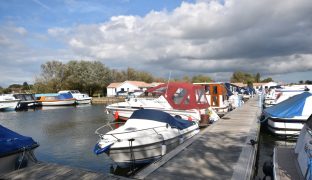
<point>160,116</point>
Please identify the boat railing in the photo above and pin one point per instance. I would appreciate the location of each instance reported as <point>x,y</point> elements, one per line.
<point>97,131</point>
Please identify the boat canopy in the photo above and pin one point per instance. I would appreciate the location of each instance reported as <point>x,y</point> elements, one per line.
<point>298,105</point>
<point>12,142</point>
<point>160,116</point>
<point>181,95</point>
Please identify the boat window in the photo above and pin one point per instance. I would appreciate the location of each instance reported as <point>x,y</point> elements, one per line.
<point>200,96</point>
<point>179,95</point>
<point>214,101</point>
<point>187,100</point>
<point>50,98</point>
<point>207,89</point>
<point>215,89</point>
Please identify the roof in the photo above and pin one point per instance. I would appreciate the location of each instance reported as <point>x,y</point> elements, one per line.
<point>239,84</point>
<point>114,85</point>
<point>139,84</point>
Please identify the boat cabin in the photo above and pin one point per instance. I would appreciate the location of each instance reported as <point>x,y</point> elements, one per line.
<point>217,95</point>
<point>181,95</point>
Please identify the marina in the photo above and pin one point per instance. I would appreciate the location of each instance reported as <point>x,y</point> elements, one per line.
<point>230,148</point>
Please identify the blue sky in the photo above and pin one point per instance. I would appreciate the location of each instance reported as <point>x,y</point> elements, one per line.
<point>208,37</point>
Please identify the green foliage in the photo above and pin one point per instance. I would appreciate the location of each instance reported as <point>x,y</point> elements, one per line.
<point>267,80</point>
<point>247,78</point>
<point>15,86</point>
<point>91,77</point>
<point>201,78</point>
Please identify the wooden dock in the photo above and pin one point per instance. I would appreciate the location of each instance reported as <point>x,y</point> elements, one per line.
<point>56,171</point>
<point>107,100</point>
<point>224,150</point>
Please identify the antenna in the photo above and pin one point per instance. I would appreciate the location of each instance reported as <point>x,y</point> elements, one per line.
<point>168,83</point>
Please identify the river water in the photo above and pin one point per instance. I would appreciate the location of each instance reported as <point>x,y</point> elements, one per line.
<point>66,136</point>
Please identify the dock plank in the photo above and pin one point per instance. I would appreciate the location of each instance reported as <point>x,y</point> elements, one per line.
<point>221,151</point>
<point>56,171</point>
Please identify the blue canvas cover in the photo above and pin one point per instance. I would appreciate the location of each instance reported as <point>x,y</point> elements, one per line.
<point>161,116</point>
<point>63,96</point>
<point>12,142</point>
<point>288,108</point>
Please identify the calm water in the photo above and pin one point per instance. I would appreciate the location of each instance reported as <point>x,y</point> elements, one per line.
<point>65,134</point>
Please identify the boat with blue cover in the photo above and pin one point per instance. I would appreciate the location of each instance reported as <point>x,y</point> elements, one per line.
<point>289,116</point>
<point>147,135</point>
<point>16,151</point>
<point>56,99</point>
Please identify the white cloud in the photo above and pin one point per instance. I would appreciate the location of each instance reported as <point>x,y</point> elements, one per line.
<point>207,37</point>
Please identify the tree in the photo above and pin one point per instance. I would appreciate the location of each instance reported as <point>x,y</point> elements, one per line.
<point>52,77</point>
<point>87,76</point>
<point>257,78</point>
<point>301,82</point>
<point>201,78</point>
<point>267,80</point>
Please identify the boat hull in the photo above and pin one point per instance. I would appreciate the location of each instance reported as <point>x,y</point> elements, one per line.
<point>146,153</point>
<point>83,101</point>
<point>285,127</point>
<point>8,104</point>
<point>14,161</point>
<point>58,103</point>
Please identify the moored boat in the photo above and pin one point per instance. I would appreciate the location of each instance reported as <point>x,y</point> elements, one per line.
<point>218,96</point>
<point>62,99</point>
<point>80,97</point>
<point>178,99</point>
<point>26,101</point>
<point>8,102</point>
<point>289,116</point>
<point>146,135</point>
<point>295,162</point>
<point>16,151</point>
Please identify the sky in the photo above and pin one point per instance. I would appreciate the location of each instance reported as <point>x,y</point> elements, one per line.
<point>209,37</point>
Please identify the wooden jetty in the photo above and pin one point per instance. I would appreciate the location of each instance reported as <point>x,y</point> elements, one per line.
<point>107,100</point>
<point>225,150</point>
<point>56,171</point>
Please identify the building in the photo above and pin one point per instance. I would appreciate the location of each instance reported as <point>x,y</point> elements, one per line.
<point>127,86</point>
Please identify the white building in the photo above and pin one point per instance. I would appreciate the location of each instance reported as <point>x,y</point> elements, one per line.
<point>128,86</point>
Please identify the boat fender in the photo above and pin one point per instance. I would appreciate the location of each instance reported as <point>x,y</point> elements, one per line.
<point>163,149</point>
<point>116,115</point>
<point>21,162</point>
<point>189,118</point>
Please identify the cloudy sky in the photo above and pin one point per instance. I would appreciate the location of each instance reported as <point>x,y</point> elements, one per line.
<point>191,37</point>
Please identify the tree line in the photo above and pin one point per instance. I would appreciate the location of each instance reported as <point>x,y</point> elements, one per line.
<point>93,77</point>
<point>248,78</point>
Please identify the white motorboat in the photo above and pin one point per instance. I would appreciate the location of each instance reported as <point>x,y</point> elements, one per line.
<point>81,98</point>
<point>8,102</point>
<point>178,99</point>
<point>295,162</point>
<point>288,117</point>
<point>16,151</point>
<point>145,136</point>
